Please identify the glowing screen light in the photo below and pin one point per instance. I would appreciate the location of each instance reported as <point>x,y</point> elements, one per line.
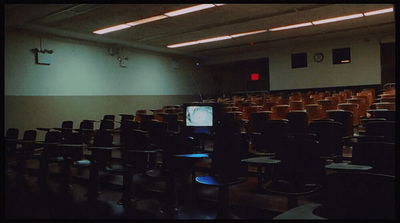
<point>199,116</point>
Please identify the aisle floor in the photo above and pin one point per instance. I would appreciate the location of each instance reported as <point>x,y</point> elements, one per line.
<point>25,201</point>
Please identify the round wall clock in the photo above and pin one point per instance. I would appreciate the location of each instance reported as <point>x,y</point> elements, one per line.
<point>318,57</point>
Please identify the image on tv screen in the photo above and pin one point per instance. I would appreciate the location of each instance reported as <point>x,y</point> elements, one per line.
<point>199,116</point>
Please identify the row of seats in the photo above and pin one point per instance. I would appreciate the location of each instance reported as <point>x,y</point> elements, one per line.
<point>293,138</point>
<point>141,137</point>
<point>361,104</point>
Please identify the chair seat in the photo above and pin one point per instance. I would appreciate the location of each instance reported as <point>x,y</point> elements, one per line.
<point>335,157</point>
<point>262,153</point>
<point>285,188</point>
<point>216,181</point>
<point>117,168</point>
<point>302,212</point>
<point>82,163</point>
<point>156,174</point>
<point>56,159</point>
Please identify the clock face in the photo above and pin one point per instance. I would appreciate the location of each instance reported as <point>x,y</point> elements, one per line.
<point>318,57</point>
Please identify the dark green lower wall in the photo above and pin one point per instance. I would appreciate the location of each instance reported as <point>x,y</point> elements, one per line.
<point>30,112</point>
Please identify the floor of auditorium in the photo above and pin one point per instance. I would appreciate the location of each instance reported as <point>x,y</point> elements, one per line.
<point>25,201</point>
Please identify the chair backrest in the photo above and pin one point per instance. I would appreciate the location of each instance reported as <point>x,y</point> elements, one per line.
<point>314,111</point>
<point>358,195</point>
<point>172,120</point>
<point>142,117</point>
<point>139,113</point>
<point>392,99</point>
<point>365,97</point>
<point>300,162</point>
<point>296,105</point>
<point>344,117</point>
<point>326,104</point>
<point>387,129</point>
<point>66,131</point>
<point>230,147</point>
<point>85,132</point>
<point>28,148</point>
<point>241,104</point>
<point>329,135</point>
<point>298,121</point>
<point>102,139</point>
<point>12,133</point>
<point>380,155</point>
<point>362,105</point>
<point>257,120</point>
<point>127,126</point>
<point>339,98</point>
<point>273,134</point>
<point>248,110</point>
<point>391,106</point>
<point>67,124</point>
<point>334,100</point>
<point>267,105</point>
<point>106,124</point>
<point>102,156</point>
<point>354,108</point>
<point>279,111</point>
<point>157,132</point>
<point>383,113</point>
<point>137,140</point>
<point>52,150</point>
<point>11,137</point>
<point>126,117</point>
<point>177,143</point>
<point>109,117</point>
<point>233,115</point>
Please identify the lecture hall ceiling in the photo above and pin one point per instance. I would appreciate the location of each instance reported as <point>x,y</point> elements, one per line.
<point>80,20</point>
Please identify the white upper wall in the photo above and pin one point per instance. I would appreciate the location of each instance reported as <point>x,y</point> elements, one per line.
<point>82,68</point>
<point>87,69</point>
<point>364,68</point>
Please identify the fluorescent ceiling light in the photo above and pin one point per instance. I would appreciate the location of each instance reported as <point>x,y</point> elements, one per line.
<point>189,10</point>
<point>155,18</point>
<point>183,44</point>
<point>112,29</point>
<point>336,19</point>
<point>214,39</point>
<point>219,38</point>
<point>291,26</point>
<point>378,12</point>
<point>318,22</point>
<point>247,33</point>
<point>146,20</point>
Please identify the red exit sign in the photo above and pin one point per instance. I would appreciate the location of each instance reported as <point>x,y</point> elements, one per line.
<point>255,77</point>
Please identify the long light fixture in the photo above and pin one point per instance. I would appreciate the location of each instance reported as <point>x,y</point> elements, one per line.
<point>317,22</point>
<point>218,38</point>
<point>292,26</point>
<point>147,20</point>
<point>112,29</point>
<point>248,33</point>
<point>377,12</point>
<point>155,18</point>
<point>337,19</point>
<point>189,10</point>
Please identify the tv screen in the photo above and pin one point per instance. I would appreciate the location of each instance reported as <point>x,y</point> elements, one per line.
<point>199,115</point>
